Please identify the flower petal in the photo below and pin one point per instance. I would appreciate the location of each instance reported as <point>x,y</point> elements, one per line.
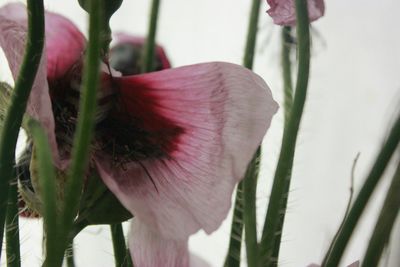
<point>149,249</point>
<point>13,31</point>
<point>65,45</point>
<point>283,11</point>
<point>222,111</point>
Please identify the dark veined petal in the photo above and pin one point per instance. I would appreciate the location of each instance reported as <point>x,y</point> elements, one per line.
<point>65,45</point>
<point>209,118</point>
<point>283,11</point>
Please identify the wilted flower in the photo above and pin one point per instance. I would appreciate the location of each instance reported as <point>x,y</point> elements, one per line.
<point>171,145</point>
<point>283,11</point>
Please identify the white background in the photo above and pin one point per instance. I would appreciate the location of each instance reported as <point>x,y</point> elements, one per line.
<point>353,95</point>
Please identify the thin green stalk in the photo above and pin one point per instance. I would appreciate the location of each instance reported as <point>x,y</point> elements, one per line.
<point>288,102</point>
<point>287,43</point>
<point>245,203</point>
<point>69,255</point>
<point>120,251</point>
<point>47,176</point>
<point>250,216</point>
<point>19,98</point>
<point>277,205</point>
<point>384,225</point>
<point>250,179</point>
<point>363,196</point>
<point>346,211</point>
<point>148,53</point>
<point>85,124</point>
<point>12,227</point>
<point>235,241</point>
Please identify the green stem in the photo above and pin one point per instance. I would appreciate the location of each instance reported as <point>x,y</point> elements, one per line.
<point>47,176</point>
<point>277,205</point>
<point>19,99</point>
<point>384,225</point>
<point>287,43</point>
<point>252,35</point>
<point>245,203</point>
<point>120,251</point>
<point>69,255</point>
<point>363,196</point>
<point>235,242</point>
<point>250,216</point>
<point>148,54</point>
<point>346,211</point>
<point>85,124</point>
<point>12,227</point>
<point>288,103</point>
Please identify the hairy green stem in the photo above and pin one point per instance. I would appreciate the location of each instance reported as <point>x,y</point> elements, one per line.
<point>12,227</point>
<point>148,53</point>
<point>287,43</point>
<point>69,255</point>
<point>274,219</point>
<point>19,99</point>
<point>364,195</point>
<point>384,225</point>
<point>47,177</point>
<point>120,251</point>
<point>85,124</point>
<point>235,241</point>
<point>245,203</point>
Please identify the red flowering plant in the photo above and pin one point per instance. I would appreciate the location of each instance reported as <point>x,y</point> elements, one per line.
<point>171,145</point>
<point>114,132</point>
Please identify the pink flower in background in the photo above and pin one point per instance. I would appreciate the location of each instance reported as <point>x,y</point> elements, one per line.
<point>171,145</point>
<point>283,11</point>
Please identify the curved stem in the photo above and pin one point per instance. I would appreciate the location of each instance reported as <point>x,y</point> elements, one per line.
<point>277,205</point>
<point>363,196</point>
<point>12,227</point>
<point>85,124</point>
<point>235,241</point>
<point>245,203</point>
<point>384,225</point>
<point>47,178</point>
<point>118,239</point>
<point>20,95</point>
<point>287,43</point>
<point>148,53</point>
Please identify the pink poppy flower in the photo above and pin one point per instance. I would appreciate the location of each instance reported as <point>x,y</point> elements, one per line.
<point>283,11</point>
<point>171,145</point>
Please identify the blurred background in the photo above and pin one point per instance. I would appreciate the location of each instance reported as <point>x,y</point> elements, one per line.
<point>353,98</point>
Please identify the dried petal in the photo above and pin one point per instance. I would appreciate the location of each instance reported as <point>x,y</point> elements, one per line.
<point>283,11</point>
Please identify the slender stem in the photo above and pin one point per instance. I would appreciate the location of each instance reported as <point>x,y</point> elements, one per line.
<point>277,205</point>
<point>346,211</point>
<point>287,43</point>
<point>235,242</point>
<point>288,102</point>
<point>85,124</point>
<point>252,34</point>
<point>148,54</point>
<point>69,255</point>
<point>47,176</point>
<point>250,220</point>
<point>245,203</point>
<point>12,227</point>
<point>363,196</point>
<point>20,95</point>
<point>120,251</point>
<point>384,225</point>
